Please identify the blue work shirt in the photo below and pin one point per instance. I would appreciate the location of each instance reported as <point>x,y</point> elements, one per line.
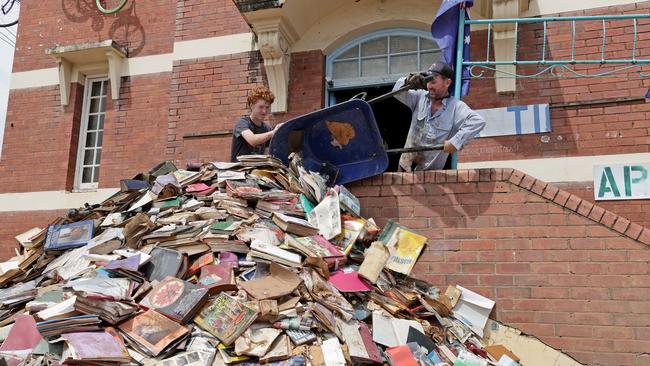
<point>454,121</point>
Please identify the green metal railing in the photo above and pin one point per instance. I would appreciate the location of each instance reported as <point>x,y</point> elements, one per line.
<point>550,65</point>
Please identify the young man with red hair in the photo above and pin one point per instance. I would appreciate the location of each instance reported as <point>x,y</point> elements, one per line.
<point>251,134</point>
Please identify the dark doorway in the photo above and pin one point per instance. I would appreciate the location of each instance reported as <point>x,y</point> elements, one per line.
<point>393,118</point>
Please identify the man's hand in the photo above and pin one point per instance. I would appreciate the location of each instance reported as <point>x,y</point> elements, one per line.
<point>417,81</point>
<point>406,162</point>
<point>449,147</point>
<point>277,126</point>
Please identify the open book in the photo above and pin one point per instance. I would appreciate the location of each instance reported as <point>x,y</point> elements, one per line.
<point>390,331</point>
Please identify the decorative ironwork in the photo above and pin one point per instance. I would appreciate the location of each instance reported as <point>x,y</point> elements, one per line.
<point>554,71</point>
<point>558,68</point>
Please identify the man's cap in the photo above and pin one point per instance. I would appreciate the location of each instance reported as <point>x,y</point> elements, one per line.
<point>442,69</point>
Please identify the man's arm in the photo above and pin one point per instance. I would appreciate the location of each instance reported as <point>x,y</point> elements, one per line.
<point>259,138</point>
<point>409,97</point>
<point>469,125</point>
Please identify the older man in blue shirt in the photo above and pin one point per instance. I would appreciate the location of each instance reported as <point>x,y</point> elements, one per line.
<point>437,118</point>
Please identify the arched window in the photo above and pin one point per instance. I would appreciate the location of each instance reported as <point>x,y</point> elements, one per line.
<point>380,58</point>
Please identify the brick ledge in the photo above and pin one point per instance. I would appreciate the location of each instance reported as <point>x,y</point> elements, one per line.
<point>522,180</point>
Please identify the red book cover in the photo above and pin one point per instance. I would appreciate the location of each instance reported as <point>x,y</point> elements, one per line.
<point>217,278</point>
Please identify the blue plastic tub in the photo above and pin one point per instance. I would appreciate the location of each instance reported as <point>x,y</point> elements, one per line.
<point>344,136</point>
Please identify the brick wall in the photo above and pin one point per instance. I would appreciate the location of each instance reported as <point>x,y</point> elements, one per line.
<point>134,138</point>
<point>635,210</point>
<point>41,136</point>
<point>306,92</point>
<point>571,273</point>
<point>143,27</point>
<point>196,19</point>
<point>208,95</point>
<point>39,139</point>
<point>613,128</point>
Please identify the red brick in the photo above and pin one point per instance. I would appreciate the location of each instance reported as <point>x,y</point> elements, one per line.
<point>506,173</point>
<point>366,191</point>
<point>516,177</point>
<point>562,197</point>
<point>452,176</point>
<point>472,175</point>
<point>573,202</point>
<point>549,268</point>
<point>596,213</point>
<point>634,230</point>
<point>538,187</point>
<point>476,268</point>
<point>551,243</point>
<point>527,182</point>
<point>621,224</point>
<point>582,331</point>
<point>505,268</point>
<point>549,292</point>
<point>484,175</point>
<point>644,237</point>
<point>477,244</point>
<point>550,192</point>
<point>608,219</point>
<point>496,280</point>
<point>585,208</point>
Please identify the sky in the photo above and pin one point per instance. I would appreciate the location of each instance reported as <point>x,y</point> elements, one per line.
<point>6,61</point>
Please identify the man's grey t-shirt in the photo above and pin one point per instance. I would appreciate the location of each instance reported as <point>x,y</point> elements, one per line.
<point>239,144</point>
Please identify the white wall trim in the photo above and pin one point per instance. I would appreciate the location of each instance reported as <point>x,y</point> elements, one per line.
<point>34,78</point>
<point>148,65</point>
<point>51,200</point>
<point>568,169</point>
<point>153,64</point>
<point>215,46</point>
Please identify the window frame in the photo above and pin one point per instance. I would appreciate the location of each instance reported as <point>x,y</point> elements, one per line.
<point>360,81</point>
<point>83,130</point>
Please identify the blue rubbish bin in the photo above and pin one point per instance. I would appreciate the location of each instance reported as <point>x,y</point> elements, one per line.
<point>344,137</point>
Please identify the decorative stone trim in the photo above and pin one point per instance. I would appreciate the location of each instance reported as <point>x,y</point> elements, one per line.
<point>76,61</point>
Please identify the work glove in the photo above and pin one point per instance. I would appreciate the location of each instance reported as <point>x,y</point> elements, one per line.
<point>406,162</point>
<point>418,81</point>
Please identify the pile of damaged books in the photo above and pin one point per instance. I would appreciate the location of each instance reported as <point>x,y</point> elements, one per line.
<point>234,263</point>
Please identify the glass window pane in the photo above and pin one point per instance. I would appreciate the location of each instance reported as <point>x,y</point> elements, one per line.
<point>97,105</point>
<point>374,67</point>
<point>94,105</point>
<point>403,44</point>
<point>98,156</point>
<point>101,122</point>
<point>96,175</point>
<point>90,139</point>
<point>375,47</point>
<point>96,88</point>
<point>427,58</point>
<point>403,64</point>
<point>351,53</point>
<point>427,44</point>
<point>93,122</point>
<point>86,177</point>
<point>346,69</point>
<point>100,137</point>
<point>88,157</point>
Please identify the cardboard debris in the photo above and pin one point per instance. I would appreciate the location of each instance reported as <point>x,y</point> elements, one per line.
<point>280,282</point>
<point>232,262</point>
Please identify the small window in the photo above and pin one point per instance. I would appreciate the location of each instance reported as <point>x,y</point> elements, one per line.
<point>91,133</point>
